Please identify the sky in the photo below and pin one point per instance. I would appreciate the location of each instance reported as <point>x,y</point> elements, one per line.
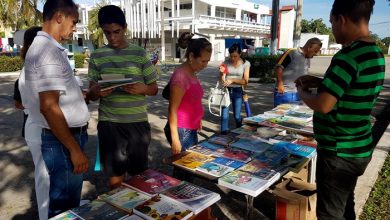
<point>314,9</point>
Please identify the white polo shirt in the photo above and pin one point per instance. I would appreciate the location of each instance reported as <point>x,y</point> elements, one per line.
<point>46,68</point>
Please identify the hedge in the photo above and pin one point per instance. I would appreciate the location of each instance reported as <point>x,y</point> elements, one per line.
<point>79,60</point>
<point>10,64</point>
<point>263,67</point>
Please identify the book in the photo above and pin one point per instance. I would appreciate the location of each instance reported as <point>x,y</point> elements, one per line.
<point>191,160</point>
<point>267,132</point>
<point>133,217</point>
<point>67,215</point>
<point>309,143</point>
<point>221,139</point>
<point>213,170</point>
<point>251,143</point>
<point>244,182</point>
<point>99,210</point>
<point>289,137</point>
<point>125,198</point>
<point>254,120</point>
<point>234,153</point>
<point>299,116</point>
<point>281,161</point>
<point>151,182</point>
<point>245,129</point>
<point>191,196</point>
<point>260,170</point>
<point>296,149</point>
<point>201,149</point>
<point>113,83</point>
<point>228,162</point>
<point>162,209</point>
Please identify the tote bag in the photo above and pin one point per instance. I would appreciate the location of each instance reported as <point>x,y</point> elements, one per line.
<point>218,97</point>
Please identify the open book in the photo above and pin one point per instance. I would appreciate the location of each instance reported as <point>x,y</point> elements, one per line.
<point>110,81</point>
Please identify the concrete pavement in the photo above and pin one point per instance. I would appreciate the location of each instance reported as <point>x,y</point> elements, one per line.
<point>17,199</point>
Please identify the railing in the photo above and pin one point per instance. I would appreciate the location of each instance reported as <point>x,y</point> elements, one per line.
<point>232,24</point>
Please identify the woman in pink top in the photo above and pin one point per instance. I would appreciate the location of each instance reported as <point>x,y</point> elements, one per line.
<point>185,98</point>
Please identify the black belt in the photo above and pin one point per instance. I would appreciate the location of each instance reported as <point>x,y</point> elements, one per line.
<point>73,130</point>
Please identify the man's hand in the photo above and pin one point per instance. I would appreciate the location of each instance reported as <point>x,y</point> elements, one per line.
<point>307,82</point>
<point>135,88</point>
<point>79,161</point>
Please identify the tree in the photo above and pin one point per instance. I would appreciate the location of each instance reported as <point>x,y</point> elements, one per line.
<point>93,25</point>
<point>386,40</point>
<point>19,14</point>
<point>317,26</point>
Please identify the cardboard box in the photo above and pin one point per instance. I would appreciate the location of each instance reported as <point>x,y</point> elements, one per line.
<point>295,200</point>
<point>303,174</point>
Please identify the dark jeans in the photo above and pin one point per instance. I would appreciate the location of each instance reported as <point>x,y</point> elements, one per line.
<point>65,186</point>
<point>336,181</point>
<point>236,101</point>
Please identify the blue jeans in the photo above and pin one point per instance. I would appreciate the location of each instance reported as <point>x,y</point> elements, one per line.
<point>65,186</point>
<point>286,97</point>
<point>236,101</point>
<point>187,137</point>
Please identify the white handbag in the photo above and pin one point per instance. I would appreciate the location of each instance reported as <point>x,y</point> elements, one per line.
<point>218,97</point>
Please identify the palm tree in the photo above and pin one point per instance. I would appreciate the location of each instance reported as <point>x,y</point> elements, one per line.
<point>93,25</point>
<point>19,14</point>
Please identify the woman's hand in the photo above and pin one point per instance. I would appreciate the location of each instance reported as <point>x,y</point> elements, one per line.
<point>175,147</point>
<point>227,82</point>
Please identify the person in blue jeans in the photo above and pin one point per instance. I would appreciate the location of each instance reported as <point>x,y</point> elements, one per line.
<point>234,74</point>
<point>56,106</point>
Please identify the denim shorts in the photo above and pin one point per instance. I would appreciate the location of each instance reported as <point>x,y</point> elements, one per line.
<point>65,186</point>
<point>188,137</point>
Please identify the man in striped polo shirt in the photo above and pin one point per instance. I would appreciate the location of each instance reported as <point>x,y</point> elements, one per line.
<point>123,127</point>
<point>342,109</point>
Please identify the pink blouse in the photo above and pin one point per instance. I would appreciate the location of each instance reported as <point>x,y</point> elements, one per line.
<point>190,112</point>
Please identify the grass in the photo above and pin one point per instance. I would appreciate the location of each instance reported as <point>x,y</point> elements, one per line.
<point>377,205</point>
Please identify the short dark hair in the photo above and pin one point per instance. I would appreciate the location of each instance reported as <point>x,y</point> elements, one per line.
<point>235,48</point>
<point>53,6</point>
<point>111,14</point>
<point>356,10</point>
<point>312,41</point>
<point>28,38</point>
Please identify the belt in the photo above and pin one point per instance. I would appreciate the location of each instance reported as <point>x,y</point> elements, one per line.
<point>73,130</point>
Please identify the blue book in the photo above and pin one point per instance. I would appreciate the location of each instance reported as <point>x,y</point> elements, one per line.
<point>296,149</point>
<point>251,144</point>
<point>228,162</point>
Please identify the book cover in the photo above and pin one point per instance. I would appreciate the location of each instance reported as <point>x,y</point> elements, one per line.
<point>309,143</point>
<point>260,170</point>
<point>126,199</point>
<point>191,196</point>
<point>281,161</point>
<point>267,132</point>
<point>133,217</point>
<point>99,210</point>
<point>299,116</point>
<point>290,137</point>
<point>252,144</point>
<point>296,149</point>
<point>67,215</point>
<point>214,169</point>
<point>236,154</point>
<point>253,120</point>
<point>245,129</point>
<point>244,182</point>
<point>221,139</point>
<point>151,182</point>
<point>201,149</point>
<point>161,209</point>
<point>113,83</point>
<point>228,162</point>
<point>192,160</point>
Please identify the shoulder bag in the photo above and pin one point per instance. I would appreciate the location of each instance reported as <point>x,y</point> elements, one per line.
<point>218,97</point>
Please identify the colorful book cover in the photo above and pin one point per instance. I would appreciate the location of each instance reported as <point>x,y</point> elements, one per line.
<point>214,169</point>
<point>299,116</point>
<point>211,146</point>
<point>244,182</point>
<point>252,144</point>
<point>151,182</point>
<point>260,170</point>
<point>201,149</point>
<point>228,162</point>
<point>309,143</point>
<point>296,149</point>
<point>287,138</point>
<point>281,161</point>
<point>192,160</point>
<point>255,120</point>
<point>161,209</point>
<point>67,215</point>
<point>126,199</point>
<point>191,196</point>
<point>99,210</point>
<point>236,154</point>
<point>267,132</point>
<point>221,139</point>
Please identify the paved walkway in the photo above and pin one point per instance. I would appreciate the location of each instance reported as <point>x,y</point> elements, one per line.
<point>17,197</point>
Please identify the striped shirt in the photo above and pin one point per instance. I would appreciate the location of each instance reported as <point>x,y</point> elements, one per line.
<point>355,77</point>
<point>132,62</point>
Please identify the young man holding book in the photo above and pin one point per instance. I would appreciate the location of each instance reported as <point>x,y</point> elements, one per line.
<point>123,128</point>
<point>291,65</point>
<point>342,109</point>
